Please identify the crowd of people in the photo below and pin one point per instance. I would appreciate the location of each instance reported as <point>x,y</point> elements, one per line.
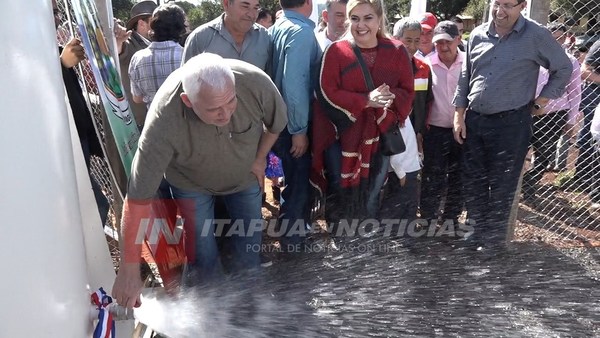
<point>246,94</point>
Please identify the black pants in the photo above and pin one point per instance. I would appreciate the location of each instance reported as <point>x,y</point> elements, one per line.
<point>586,167</point>
<point>547,129</point>
<point>401,201</point>
<point>101,200</point>
<point>494,152</point>
<point>441,174</point>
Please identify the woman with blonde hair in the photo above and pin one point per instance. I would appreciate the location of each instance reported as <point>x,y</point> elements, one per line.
<point>354,113</point>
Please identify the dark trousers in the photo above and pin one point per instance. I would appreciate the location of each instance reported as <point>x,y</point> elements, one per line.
<point>494,152</point>
<point>587,165</point>
<point>294,211</point>
<point>441,174</point>
<point>595,185</point>
<point>333,167</point>
<point>101,200</point>
<point>401,202</point>
<point>547,129</point>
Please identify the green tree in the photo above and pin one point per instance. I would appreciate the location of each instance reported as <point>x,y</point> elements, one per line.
<point>477,9</point>
<point>206,11</point>
<point>271,5</point>
<point>446,9</point>
<point>121,9</point>
<point>396,9</point>
<point>186,6</point>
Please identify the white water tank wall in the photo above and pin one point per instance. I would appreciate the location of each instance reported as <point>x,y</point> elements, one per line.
<point>43,274</point>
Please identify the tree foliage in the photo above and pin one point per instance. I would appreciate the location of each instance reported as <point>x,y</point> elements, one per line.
<point>396,9</point>
<point>446,9</point>
<point>272,5</point>
<point>210,9</point>
<point>186,6</point>
<point>206,11</point>
<point>121,9</point>
<point>477,9</point>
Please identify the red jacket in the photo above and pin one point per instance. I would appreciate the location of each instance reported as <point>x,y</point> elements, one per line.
<point>342,86</point>
<point>423,95</point>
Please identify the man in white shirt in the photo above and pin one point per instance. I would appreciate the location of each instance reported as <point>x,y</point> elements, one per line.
<point>334,15</point>
<point>441,167</point>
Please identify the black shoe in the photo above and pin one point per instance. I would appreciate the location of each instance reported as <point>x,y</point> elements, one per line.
<point>276,194</point>
<point>265,261</point>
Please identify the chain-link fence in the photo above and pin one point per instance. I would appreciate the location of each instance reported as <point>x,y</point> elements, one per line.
<point>560,200</point>
<point>99,167</point>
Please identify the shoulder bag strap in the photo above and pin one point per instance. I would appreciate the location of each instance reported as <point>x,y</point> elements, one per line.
<point>363,66</point>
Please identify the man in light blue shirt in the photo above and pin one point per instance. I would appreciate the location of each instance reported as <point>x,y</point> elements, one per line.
<point>295,60</point>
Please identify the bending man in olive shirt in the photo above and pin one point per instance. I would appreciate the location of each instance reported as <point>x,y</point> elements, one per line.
<point>204,133</point>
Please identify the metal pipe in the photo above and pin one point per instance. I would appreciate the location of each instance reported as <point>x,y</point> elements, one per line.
<point>119,312</point>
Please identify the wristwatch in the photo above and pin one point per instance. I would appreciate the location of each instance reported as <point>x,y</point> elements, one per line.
<point>537,106</point>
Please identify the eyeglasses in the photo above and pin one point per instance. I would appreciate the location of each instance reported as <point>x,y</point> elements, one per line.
<point>505,7</point>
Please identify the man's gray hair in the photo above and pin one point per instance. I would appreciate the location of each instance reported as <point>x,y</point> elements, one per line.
<point>406,24</point>
<point>329,2</point>
<point>205,68</point>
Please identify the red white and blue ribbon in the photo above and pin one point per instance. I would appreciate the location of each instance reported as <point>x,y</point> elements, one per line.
<point>106,324</point>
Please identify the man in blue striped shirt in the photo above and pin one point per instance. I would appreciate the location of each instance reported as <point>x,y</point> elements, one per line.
<point>494,101</point>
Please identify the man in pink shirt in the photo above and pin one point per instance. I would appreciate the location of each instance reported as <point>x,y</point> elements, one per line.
<point>558,117</point>
<point>441,167</point>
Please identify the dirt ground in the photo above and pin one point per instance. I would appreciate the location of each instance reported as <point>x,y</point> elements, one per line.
<point>560,215</point>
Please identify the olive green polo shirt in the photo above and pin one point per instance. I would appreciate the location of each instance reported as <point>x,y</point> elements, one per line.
<point>196,156</point>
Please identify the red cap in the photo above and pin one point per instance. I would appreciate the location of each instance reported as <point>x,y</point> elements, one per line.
<point>428,21</point>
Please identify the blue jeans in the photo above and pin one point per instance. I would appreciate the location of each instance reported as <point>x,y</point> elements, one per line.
<point>494,152</point>
<point>294,211</point>
<point>244,208</point>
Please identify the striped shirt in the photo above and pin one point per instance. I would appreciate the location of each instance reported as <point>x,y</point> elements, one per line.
<point>500,73</point>
<point>150,67</point>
